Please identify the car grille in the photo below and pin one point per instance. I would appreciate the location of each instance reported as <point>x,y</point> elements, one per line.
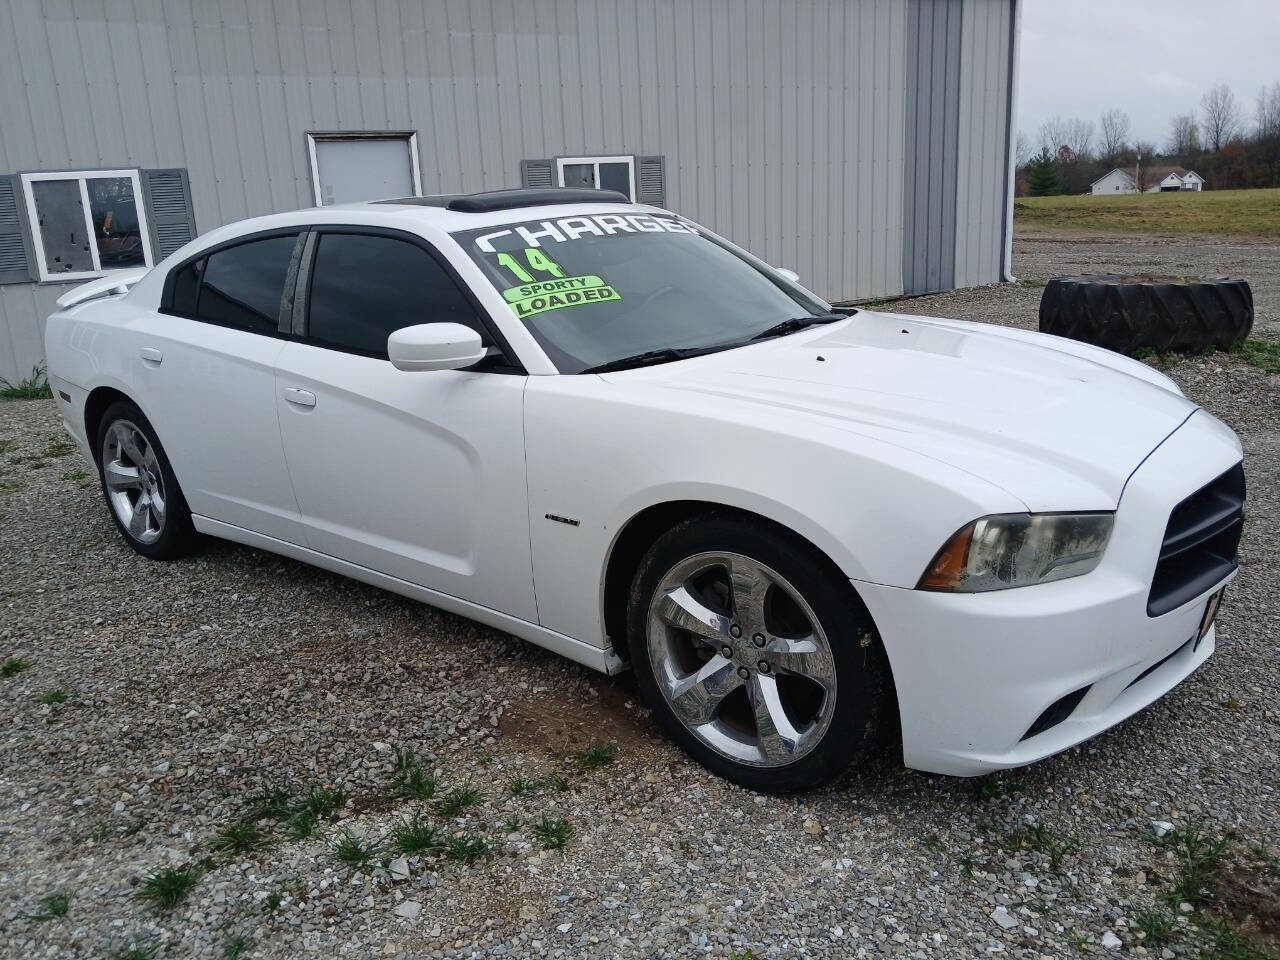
<point>1200,543</point>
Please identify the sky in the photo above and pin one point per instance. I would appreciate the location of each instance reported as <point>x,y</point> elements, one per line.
<point>1152,59</point>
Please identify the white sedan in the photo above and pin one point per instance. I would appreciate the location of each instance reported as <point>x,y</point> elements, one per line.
<point>604,429</point>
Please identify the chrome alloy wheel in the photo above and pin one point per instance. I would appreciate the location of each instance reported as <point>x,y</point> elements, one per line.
<point>741,659</point>
<point>135,484</point>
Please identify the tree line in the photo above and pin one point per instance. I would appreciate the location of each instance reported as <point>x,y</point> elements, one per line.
<point>1221,141</point>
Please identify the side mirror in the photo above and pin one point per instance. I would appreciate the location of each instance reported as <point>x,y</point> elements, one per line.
<point>789,274</point>
<point>434,346</point>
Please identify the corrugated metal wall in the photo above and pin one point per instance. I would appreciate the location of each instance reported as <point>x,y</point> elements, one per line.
<point>785,124</point>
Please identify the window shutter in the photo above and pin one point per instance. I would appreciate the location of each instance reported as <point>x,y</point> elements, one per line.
<point>17,265</point>
<point>651,181</point>
<point>167,194</point>
<point>537,173</point>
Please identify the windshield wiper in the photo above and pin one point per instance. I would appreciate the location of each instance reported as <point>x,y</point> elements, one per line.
<point>798,323</point>
<point>647,359</point>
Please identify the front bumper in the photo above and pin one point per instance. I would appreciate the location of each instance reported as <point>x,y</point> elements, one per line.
<point>974,672</point>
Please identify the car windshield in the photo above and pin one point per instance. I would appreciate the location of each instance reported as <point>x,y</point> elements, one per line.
<point>596,289</point>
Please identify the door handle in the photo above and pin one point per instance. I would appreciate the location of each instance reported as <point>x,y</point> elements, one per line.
<point>300,398</point>
<point>151,355</point>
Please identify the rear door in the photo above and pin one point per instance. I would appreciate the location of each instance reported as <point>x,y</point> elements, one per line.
<point>419,475</point>
<point>205,371</point>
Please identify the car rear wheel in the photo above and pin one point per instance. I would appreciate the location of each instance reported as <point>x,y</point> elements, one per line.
<point>756,656</point>
<point>142,494</point>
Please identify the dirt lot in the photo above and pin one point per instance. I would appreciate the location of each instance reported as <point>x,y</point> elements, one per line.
<point>147,711</point>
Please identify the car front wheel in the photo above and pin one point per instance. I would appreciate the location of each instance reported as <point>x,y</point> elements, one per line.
<point>756,654</point>
<point>142,494</point>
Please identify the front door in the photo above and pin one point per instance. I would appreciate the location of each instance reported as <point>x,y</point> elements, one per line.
<point>419,475</point>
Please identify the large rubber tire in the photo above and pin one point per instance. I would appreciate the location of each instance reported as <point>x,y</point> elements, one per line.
<point>1130,314</point>
<point>177,536</point>
<point>864,687</point>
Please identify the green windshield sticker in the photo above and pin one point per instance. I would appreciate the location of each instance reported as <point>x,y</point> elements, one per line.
<point>535,298</point>
<point>523,292</point>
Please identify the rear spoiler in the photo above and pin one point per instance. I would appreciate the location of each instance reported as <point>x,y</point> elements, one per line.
<point>116,282</point>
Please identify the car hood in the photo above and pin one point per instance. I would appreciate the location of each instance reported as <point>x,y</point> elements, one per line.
<point>1058,424</point>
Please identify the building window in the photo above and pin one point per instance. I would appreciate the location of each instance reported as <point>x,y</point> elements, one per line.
<point>354,167</point>
<point>598,173</point>
<point>86,223</point>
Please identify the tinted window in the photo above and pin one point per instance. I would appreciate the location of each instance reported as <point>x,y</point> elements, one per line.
<point>364,287</point>
<point>243,285</point>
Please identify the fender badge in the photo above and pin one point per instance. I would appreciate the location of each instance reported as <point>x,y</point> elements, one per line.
<point>572,523</point>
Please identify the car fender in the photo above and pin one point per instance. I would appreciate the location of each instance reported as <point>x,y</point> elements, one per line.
<point>599,454</point>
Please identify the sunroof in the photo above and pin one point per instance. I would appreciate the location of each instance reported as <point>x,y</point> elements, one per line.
<point>511,199</point>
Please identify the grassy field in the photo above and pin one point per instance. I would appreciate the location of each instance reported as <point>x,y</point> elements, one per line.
<point>1233,212</point>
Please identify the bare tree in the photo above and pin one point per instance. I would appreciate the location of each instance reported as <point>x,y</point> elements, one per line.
<point>1052,135</point>
<point>1221,116</point>
<point>1184,135</point>
<point>1080,138</point>
<point>1022,151</point>
<point>1113,130</point>
<point>1268,113</point>
<point>1076,135</point>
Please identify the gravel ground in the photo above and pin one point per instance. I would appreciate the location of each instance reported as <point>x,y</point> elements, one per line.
<point>191,686</point>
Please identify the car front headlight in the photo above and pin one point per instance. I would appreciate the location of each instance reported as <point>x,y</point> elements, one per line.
<point>1017,550</point>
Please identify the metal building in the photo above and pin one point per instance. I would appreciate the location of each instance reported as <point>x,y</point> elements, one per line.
<point>863,143</point>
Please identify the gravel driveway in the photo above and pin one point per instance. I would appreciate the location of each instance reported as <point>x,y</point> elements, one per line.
<point>162,704</point>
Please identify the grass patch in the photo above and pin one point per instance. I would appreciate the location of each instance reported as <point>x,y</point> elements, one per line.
<point>52,907</point>
<point>58,446</point>
<point>14,666</point>
<point>594,755</point>
<point>354,851</point>
<point>556,782</point>
<point>78,477</point>
<point>511,824</point>
<point>1263,354</point>
<point>299,814</point>
<point>271,902</point>
<point>54,696</point>
<point>553,832</point>
<point>457,800</point>
<point>135,951</point>
<point>165,889</point>
<point>412,780</point>
<point>239,838</point>
<point>34,387</point>
<point>520,785</point>
<point>234,948</point>
<point>1196,860</point>
<point>1047,841</point>
<point>414,835</point>
<point>466,847</point>
<point>1223,212</point>
<point>320,801</point>
<point>1156,926</point>
<point>1222,943</point>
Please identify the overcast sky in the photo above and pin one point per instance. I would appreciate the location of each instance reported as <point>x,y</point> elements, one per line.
<point>1152,59</point>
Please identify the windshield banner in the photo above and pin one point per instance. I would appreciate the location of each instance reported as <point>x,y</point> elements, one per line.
<point>520,258</point>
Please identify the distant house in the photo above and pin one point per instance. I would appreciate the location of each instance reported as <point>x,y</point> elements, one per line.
<point>1154,180</point>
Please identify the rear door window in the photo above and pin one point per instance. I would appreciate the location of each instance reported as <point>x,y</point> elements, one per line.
<point>242,286</point>
<point>364,287</point>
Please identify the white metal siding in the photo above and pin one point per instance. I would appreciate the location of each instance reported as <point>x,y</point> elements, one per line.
<point>982,189</point>
<point>782,121</point>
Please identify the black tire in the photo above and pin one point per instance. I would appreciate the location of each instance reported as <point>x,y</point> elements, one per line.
<point>176,535</point>
<point>1129,314</point>
<point>863,682</point>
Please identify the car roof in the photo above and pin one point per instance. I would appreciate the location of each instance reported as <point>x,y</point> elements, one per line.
<point>451,212</point>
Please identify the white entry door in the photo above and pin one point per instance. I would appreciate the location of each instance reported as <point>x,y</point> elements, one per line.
<point>351,169</point>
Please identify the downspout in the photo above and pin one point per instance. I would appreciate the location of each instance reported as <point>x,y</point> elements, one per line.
<point>1015,30</point>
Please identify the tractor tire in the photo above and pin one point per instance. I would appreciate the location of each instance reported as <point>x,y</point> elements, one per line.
<point>1129,314</point>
